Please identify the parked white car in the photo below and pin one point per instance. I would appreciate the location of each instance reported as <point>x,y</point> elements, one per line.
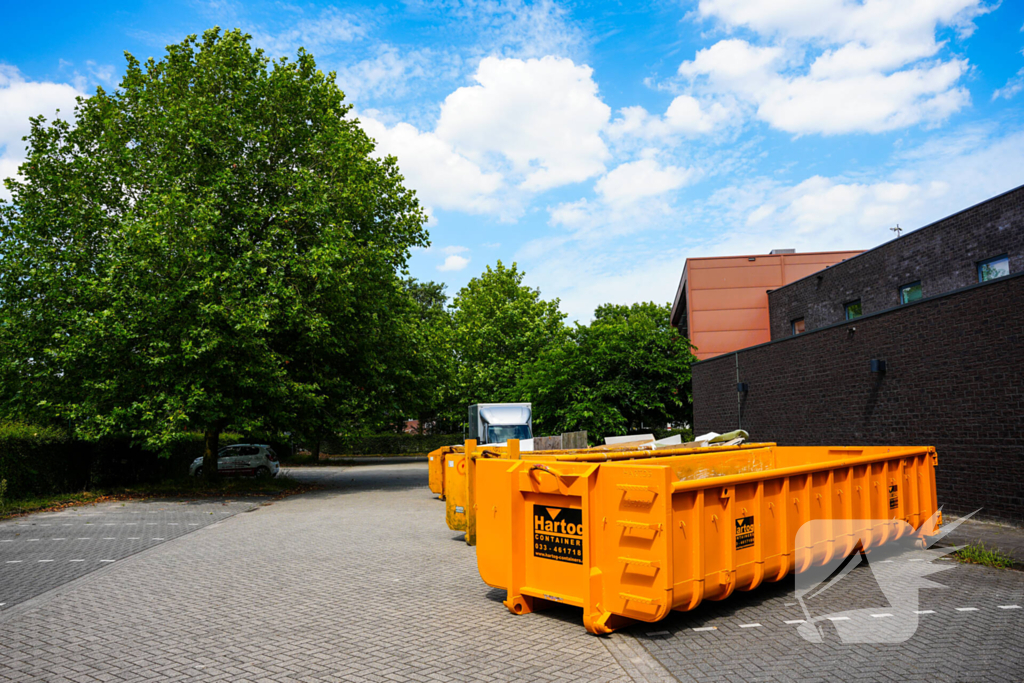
<point>242,459</point>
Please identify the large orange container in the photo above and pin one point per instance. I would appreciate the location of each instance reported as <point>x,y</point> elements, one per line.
<point>459,469</point>
<point>630,541</point>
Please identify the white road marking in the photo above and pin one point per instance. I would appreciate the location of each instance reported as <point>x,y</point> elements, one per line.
<point>172,524</point>
<point>108,560</point>
<point>1009,606</point>
<point>883,561</point>
<point>84,538</point>
<point>7,540</point>
<point>131,523</point>
<point>13,561</point>
<point>966,609</point>
<point>32,539</point>
<point>838,618</point>
<point>924,611</point>
<point>76,560</point>
<point>58,539</point>
<point>151,523</point>
<point>44,560</point>
<point>109,524</point>
<point>796,621</point>
<point>109,538</point>
<point>750,625</point>
<point>67,524</point>
<point>917,559</point>
<point>193,524</point>
<point>134,538</point>
<point>157,539</point>
<point>879,616</point>
<point>706,628</point>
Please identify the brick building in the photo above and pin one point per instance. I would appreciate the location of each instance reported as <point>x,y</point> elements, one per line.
<point>919,341</point>
<point>722,302</point>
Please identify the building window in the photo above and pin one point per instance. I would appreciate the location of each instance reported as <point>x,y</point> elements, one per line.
<point>853,310</point>
<point>993,268</point>
<point>798,326</point>
<point>910,293</point>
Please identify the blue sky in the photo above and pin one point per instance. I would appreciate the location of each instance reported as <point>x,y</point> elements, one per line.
<point>601,144</point>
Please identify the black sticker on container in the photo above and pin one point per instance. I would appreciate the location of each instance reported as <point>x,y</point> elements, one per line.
<point>558,534</point>
<point>744,532</point>
<point>894,497</point>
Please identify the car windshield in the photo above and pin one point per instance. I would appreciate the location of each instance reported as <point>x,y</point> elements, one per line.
<point>502,433</point>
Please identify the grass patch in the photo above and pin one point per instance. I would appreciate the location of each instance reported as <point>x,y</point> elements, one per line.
<point>175,488</point>
<point>977,553</point>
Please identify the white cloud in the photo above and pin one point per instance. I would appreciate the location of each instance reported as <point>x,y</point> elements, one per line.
<point>393,73</point>
<point>1012,87</point>
<point>541,117</point>
<point>19,100</point>
<point>455,250</point>
<point>836,66</point>
<point>453,262</point>
<point>320,35</point>
<point>510,28</point>
<point>841,21</point>
<point>440,176</point>
<point>584,280</point>
<point>941,177</point>
<point>641,179</point>
<point>686,115</point>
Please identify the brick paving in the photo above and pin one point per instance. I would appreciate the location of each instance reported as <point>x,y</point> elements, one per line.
<point>42,551</point>
<point>362,581</point>
<point>359,582</point>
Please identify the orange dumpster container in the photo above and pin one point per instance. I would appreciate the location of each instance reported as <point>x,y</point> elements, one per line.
<point>459,468</point>
<point>436,467</point>
<point>630,541</point>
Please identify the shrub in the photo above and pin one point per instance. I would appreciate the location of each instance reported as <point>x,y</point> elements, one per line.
<point>35,459</point>
<point>388,444</point>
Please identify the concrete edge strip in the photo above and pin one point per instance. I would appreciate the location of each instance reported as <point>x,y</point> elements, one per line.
<point>35,602</point>
<point>639,664</point>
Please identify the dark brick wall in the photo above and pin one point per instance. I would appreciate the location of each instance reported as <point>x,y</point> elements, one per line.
<point>943,256</point>
<point>954,380</point>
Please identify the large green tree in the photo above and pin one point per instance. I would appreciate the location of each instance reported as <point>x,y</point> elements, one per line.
<point>210,244</point>
<point>499,326</point>
<point>628,369</point>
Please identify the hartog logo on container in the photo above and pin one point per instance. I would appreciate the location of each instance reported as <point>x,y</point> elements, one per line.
<point>894,497</point>
<point>744,532</point>
<point>558,534</point>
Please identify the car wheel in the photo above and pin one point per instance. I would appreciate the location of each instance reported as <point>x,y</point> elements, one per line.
<point>262,473</point>
<point>198,472</point>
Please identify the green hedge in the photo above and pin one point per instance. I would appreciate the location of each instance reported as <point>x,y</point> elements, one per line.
<point>37,459</point>
<point>388,444</point>
<point>42,460</point>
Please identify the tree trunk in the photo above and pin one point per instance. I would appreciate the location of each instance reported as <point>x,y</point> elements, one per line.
<point>316,450</point>
<point>210,471</point>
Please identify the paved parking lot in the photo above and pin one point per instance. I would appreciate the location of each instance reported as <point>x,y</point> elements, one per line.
<point>362,581</point>
<point>46,550</point>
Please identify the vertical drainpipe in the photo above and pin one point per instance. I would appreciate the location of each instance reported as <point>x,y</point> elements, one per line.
<point>739,394</point>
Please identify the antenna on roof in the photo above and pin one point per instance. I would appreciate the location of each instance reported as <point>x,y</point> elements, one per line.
<point>897,230</point>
